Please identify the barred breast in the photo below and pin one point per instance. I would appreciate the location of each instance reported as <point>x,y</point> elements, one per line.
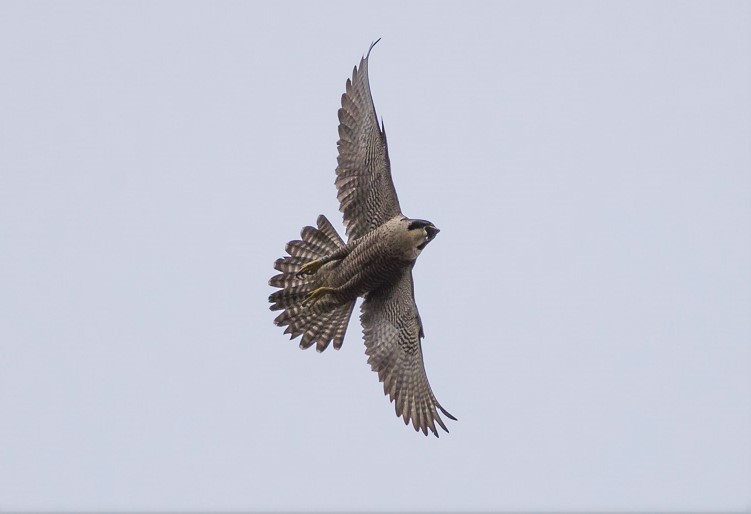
<point>376,260</point>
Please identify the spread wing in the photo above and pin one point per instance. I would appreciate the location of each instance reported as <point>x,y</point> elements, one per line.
<point>393,331</point>
<point>366,193</point>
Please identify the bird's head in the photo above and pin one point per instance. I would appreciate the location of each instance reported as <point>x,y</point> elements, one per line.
<point>420,233</point>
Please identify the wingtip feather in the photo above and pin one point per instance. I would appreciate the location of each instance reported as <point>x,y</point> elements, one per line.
<point>374,43</point>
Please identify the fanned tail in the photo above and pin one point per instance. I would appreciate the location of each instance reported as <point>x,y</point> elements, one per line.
<point>321,322</point>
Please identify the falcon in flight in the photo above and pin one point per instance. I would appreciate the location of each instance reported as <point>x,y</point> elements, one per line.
<point>322,277</point>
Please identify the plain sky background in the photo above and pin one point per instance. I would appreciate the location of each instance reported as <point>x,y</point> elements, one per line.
<point>587,304</point>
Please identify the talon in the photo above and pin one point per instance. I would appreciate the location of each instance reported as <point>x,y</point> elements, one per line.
<point>316,294</point>
<point>310,268</point>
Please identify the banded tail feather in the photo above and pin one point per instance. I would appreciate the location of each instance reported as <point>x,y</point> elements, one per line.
<point>321,322</point>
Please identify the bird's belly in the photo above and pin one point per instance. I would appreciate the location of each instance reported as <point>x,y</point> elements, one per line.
<point>366,268</point>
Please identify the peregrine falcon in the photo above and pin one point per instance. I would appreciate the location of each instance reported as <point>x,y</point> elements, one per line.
<point>322,277</point>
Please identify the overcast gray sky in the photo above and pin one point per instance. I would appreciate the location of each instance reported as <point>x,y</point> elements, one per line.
<point>587,304</point>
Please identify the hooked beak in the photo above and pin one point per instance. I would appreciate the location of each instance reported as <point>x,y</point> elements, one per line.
<point>432,231</point>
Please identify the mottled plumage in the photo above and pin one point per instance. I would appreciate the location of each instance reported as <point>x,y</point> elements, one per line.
<point>322,277</point>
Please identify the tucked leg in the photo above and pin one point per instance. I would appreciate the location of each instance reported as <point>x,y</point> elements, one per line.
<point>318,293</point>
<point>312,267</point>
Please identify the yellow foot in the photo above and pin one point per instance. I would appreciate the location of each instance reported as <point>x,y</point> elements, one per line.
<point>310,268</point>
<point>316,294</point>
